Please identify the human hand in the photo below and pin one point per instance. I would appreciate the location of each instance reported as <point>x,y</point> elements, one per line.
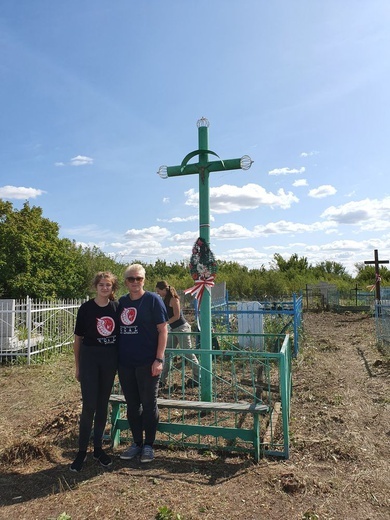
<point>157,367</point>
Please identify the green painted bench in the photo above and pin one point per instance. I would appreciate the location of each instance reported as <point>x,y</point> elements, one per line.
<point>250,435</point>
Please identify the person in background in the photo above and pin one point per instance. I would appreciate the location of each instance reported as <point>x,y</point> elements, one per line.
<point>143,334</point>
<point>177,323</point>
<point>96,358</point>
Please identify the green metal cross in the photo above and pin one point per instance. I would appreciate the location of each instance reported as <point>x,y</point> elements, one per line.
<point>203,167</point>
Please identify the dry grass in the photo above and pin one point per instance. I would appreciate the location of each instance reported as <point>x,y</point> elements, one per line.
<point>339,465</point>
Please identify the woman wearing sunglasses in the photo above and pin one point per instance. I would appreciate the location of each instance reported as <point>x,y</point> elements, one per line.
<point>143,334</point>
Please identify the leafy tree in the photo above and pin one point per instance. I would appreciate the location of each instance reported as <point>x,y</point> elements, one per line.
<point>366,274</point>
<point>330,268</point>
<point>176,274</point>
<point>28,248</point>
<point>268,284</point>
<point>226,268</point>
<point>299,265</point>
<point>35,262</point>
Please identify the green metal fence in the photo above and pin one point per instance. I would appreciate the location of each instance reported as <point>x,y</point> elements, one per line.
<point>238,376</point>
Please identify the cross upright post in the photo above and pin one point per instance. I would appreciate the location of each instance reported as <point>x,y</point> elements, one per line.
<point>376,262</point>
<point>356,293</point>
<point>203,168</point>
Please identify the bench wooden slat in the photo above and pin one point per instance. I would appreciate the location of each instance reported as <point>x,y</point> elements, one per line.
<point>254,408</point>
<point>247,434</point>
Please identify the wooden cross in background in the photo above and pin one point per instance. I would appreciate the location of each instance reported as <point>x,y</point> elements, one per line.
<point>376,262</point>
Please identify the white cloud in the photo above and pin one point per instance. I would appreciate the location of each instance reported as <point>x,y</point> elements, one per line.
<point>286,171</point>
<point>166,200</point>
<point>308,154</point>
<point>152,251</point>
<point>322,191</point>
<point>175,220</point>
<point>231,231</point>
<point>375,225</point>
<point>19,192</point>
<point>151,233</point>
<point>228,198</point>
<point>337,245</point>
<point>246,256</point>
<point>371,213</point>
<point>89,230</point>
<point>300,182</point>
<point>188,236</point>
<point>292,228</point>
<point>59,164</point>
<point>81,160</point>
<point>91,245</point>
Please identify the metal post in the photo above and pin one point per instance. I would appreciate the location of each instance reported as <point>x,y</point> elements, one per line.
<point>204,232</point>
<point>28,324</point>
<point>203,168</point>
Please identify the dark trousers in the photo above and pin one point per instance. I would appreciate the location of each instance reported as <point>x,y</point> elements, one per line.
<point>98,366</point>
<point>140,390</point>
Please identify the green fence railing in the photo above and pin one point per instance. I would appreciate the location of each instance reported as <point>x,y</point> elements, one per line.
<point>238,376</point>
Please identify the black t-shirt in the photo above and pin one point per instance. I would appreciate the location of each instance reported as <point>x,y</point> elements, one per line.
<point>97,325</point>
<point>177,323</point>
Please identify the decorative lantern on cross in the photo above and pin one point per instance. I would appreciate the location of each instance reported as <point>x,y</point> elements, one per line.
<point>203,167</point>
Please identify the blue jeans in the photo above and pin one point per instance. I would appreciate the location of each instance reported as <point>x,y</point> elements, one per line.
<point>140,389</point>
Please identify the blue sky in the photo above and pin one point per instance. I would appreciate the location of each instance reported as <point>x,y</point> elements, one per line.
<point>97,95</point>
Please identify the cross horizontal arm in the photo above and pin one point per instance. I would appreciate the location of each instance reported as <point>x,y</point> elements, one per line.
<point>213,166</point>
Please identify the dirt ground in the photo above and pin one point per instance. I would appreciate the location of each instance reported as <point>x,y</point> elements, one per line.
<point>338,467</point>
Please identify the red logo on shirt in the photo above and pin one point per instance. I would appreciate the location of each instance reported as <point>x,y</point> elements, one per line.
<point>128,315</point>
<point>105,325</point>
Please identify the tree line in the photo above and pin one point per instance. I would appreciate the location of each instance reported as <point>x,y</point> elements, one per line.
<point>36,262</point>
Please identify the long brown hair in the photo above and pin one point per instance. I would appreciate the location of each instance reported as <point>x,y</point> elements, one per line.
<point>106,275</point>
<point>171,291</point>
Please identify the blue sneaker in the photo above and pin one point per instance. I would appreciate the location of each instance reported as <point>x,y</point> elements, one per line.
<point>131,452</point>
<point>147,454</point>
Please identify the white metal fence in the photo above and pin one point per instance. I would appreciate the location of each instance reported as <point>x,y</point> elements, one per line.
<point>29,328</point>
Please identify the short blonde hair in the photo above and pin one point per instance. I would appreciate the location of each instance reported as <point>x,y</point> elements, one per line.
<point>134,268</point>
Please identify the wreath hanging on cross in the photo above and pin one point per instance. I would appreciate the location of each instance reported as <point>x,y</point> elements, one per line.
<point>203,268</point>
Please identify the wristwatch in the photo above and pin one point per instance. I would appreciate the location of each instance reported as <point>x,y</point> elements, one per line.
<point>159,360</point>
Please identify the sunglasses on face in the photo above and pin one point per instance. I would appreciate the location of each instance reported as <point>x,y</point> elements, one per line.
<point>133,279</point>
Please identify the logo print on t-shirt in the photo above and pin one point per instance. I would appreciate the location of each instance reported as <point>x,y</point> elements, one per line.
<point>105,325</point>
<point>128,315</point>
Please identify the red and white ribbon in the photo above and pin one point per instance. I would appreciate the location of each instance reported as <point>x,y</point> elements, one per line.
<point>377,280</point>
<point>200,285</point>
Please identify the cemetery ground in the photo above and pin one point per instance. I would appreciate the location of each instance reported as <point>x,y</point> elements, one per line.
<point>339,460</point>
